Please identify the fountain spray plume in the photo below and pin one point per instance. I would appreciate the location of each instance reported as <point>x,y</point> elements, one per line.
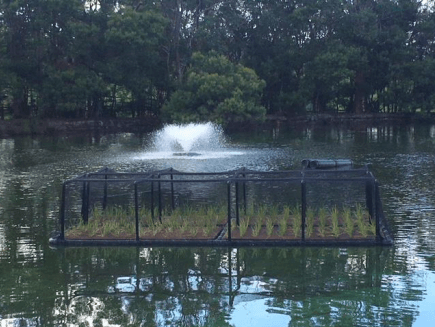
<point>188,139</point>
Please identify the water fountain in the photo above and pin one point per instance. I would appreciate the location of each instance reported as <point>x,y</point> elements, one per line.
<point>194,141</point>
<point>190,139</point>
<point>201,147</point>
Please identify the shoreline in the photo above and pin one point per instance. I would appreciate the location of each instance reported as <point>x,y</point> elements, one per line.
<point>67,127</point>
<point>63,127</point>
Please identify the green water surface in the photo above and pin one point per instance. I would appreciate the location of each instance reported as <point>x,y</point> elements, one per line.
<point>312,286</point>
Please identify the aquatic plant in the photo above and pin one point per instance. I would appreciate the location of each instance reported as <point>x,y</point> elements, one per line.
<point>362,220</point>
<point>118,221</point>
<point>156,228</point>
<point>184,226</point>
<point>212,215</point>
<point>261,212</point>
<point>269,226</point>
<point>334,222</point>
<point>244,224</point>
<point>296,221</point>
<point>256,228</point>
<point>283,225</point>
<point>194,230</point>
<point>372,226</point>
<point>286,211</point>
<point>348,221</point>
<point>310,221</point>
<point>283,222</point>
<point>208,228</point>
<point>322,214</point>
<point>273,212</point>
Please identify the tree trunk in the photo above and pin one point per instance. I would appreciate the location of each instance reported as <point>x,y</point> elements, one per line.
<point>177,35</point>
<point>359,96</point>
<point>318,102</point>
<point>20,107</point>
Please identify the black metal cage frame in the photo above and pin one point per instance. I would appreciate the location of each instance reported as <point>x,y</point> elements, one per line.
<point>236,187</point>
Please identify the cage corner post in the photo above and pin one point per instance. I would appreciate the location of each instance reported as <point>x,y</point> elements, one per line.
<point>303,207</point>
<point>136,210</point>
<point>62,213</point>
<point>229,208</point>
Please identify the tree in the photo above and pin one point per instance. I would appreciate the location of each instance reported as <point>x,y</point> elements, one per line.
<point>134,53</point>
<point>76,58</point>
<point>378,31</point>
<point>219,91</point>
<point>421,68</point>
<point>276,49</point>
<point>25,45</point>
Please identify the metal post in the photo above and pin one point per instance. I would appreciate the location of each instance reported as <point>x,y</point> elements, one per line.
<point>172,191</point>
<point>244,192</point>
<point>230,275</point>
<point>369,197</point>
<point>237,204</point>
<point>304,207</point>
<point>62,213</point>
<point>160,198</point>
<point>86,216</point>
<point>152,199</point>
<point>229,209</point>
<point>137,270</point>
<point>83,201</point>
<point>136,208</point>
<point>105,192</point>
<point>239,277</point>
<point>377,215</point>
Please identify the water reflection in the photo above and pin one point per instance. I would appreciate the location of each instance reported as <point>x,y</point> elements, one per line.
<point>218,287</point>
<point>40,286</point>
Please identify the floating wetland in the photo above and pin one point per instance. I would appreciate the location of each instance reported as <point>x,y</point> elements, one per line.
<point>235,208</point>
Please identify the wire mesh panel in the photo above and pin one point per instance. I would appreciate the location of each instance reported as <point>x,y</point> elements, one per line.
<point>72,209</point>
<point>182,207</point>
<point>339,209</point>
<point>268,208</point>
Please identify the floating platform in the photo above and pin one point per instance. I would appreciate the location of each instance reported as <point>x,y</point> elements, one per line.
<point>319,205</point>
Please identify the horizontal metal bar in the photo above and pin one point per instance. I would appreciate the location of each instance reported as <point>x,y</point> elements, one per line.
<point>229,179</point>
<point>232,172</point>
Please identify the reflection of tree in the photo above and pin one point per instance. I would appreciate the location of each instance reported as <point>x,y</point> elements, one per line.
<point>200,286</point>
<point>27,266</point>
<point>195,287</point>
<point>332,286</point>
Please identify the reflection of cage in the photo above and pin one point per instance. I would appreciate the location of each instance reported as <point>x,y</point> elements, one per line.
<point>195,277</point>
<point>156,193</point>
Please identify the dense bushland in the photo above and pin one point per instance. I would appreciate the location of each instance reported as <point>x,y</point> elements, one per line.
<point>227,61</point>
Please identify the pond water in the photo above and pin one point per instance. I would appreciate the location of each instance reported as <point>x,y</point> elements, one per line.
<point>312,286</point>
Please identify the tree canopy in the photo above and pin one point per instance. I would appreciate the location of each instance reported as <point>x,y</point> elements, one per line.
<point>225,61</point>
<point>217,90</point>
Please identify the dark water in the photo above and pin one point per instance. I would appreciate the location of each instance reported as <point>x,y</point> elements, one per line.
<point>42,286</point>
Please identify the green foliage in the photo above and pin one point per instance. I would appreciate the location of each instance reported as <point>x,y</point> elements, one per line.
<point>256,228</point>
<point>244,224</point>
<point>208,221</point>
<point>310,222</point>
<point>296,221</point>
<point>283,221</point>
<point>322,221</point>
<point>217,90</point>
<point>67,59</point>
<point>348,221</point>
<point>133,39</point>
<point>336,230</point>
<point>362,221</point>
<point>269,227</point>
